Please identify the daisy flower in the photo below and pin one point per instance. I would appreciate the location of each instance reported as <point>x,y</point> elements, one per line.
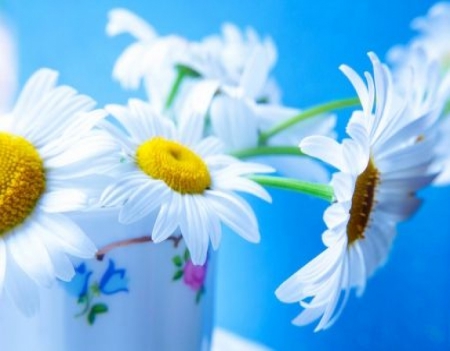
<point>432,36</point>
<point>237,58</point>
<point>182,176</point>
<point>419,78</point>
<point>45,152</point>
<point>151,58</point>
<point>386,160</point>
<point>429,54</point>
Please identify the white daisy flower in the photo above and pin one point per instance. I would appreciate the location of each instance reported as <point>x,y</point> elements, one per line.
<point>8,66</point>
<point>420,80</point>
<point>237,59</point>
<point>151,57</point>
<point>429,56</point>
<point>43,154</point>
<point>182,176</point>
<point>380,169</point>
<point>432,36</point>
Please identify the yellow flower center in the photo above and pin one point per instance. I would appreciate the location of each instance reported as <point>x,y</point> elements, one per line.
<point>362,202</point>
<point>22,180</point>
<point>180,168</point>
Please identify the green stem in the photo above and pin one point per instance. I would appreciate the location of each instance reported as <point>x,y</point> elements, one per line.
<point>182,72</point>
<point>268,151</point>
<point>322,191</point>
<point>311,112</point>
<point>446,109</point>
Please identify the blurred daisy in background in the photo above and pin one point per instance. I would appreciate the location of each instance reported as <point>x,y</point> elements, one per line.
<point>429,55</point>
<point>226,77</point>
<point>47,148</point>
<point>432,37</point>
<point>183,176</point>
<point>151,59</point>
<point>387,159</point>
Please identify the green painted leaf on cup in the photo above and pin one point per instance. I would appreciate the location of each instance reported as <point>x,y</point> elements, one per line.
<point>97,309</point>
<point>178,261</point>
<point>178,274</point>
<point>187,255</point>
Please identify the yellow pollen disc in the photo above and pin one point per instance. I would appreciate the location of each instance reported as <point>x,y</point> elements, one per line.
<point>362,202</point>
<point>180,168</point>
<point>22,180</point>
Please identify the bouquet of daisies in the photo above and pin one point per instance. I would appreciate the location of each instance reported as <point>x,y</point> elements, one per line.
<point>211,128</point>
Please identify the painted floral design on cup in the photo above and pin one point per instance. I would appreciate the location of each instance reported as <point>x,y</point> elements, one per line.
<point>88,292</point>
<point>193,276</point>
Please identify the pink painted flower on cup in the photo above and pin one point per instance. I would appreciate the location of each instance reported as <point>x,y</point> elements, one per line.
<point>194,276</point>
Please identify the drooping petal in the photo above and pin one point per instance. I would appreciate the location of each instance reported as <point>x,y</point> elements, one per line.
<point>124,21</point>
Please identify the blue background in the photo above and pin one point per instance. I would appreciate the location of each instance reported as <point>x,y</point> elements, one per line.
<point>406,304</point>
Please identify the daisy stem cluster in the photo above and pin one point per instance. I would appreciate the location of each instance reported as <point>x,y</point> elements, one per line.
<point>308,113</point>
<point>322,191</point>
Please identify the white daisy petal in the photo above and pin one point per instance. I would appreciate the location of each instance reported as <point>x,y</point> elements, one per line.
<point>308,316</point>
<point>193,113</point>
<point>209,146</point>
<point>320,268</point>
<point>234,122</point>
<point>143,201</point>
<point>126,143</point>
<point>243,185</point>
<point>343,186</point>
<point>64,200</point>
<point>68,235</point>
<point>124,21</point>
<point>116,193</point>
<point>235,213</point>
<point>53,113</point>
<point>335,215</point>
<point>35,263</point>
<point>236,169</point>
<point>214,227</point>
<point>37,86</point>
<point>125,118</point>
<point>325,149</point>
<point>360,273</point>
<point>62,265</point>
<point>194,229</point>
<point>3,262</point>
<point>168,218</point>
<point>20,288</point>
<point>128,69</point>
<point>359,86</point>
<point>256,72</point>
